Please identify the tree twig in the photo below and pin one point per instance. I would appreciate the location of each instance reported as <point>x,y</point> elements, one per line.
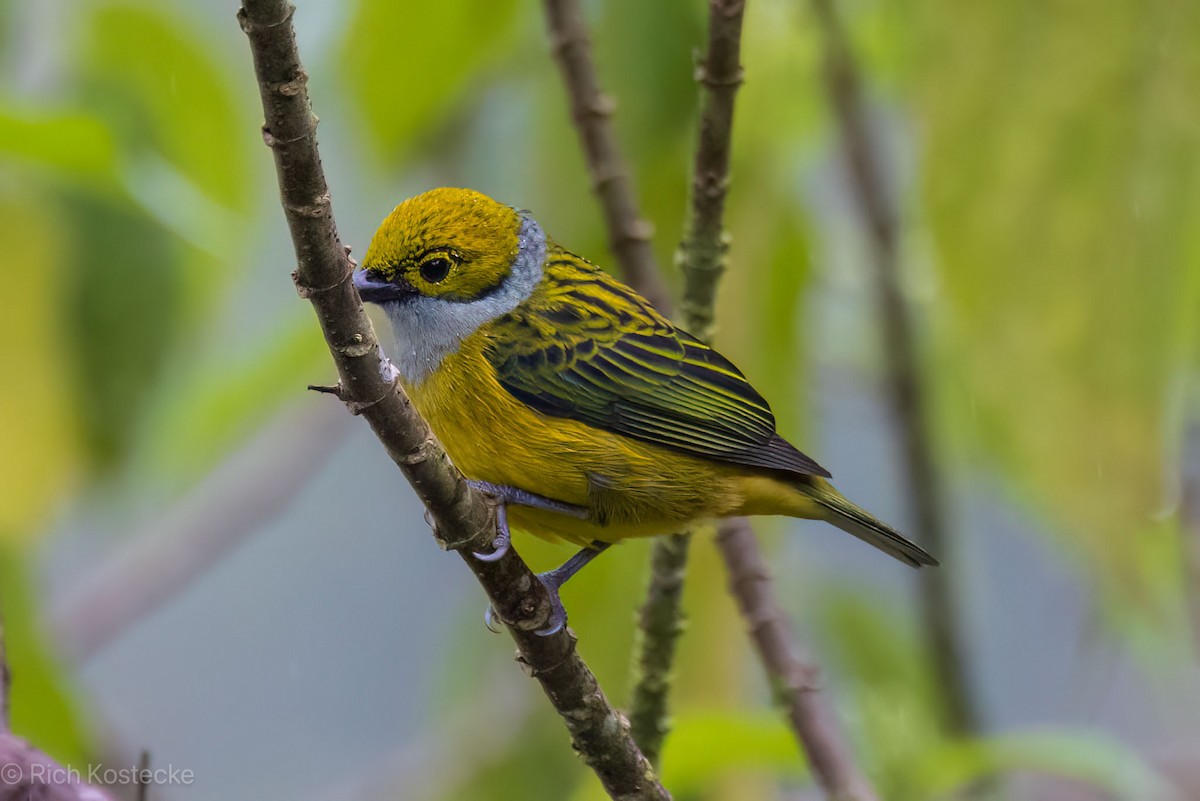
<point>462,517</point>
<point>629,235</point>
<point>794,678</point>
<point>660,623</point>
<point>701,257</point>
<point>906,392</point>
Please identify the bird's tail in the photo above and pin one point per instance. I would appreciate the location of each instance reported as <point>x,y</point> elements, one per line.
<point>853,520</point>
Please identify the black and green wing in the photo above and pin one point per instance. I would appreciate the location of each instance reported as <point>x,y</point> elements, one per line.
<point>589,349</point>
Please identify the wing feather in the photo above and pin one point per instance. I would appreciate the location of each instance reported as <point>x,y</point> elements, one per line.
<point>590,349</point>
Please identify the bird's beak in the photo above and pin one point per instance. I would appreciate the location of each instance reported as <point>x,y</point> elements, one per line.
<point>372,291</point>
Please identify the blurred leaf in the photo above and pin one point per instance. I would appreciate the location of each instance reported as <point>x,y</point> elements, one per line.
<point>406,64</point>
<point>75,145</point>
<point>1062,183</point>
<point>147,70</point>
<point>704,747</point>
<point>880,662</point>
<point>42,709</point>
<point>1082,756</point>
<point>124,300</point>
<point>38,424</point>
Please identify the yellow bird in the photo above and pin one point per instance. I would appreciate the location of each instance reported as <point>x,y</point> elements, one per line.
<point>564,394</point>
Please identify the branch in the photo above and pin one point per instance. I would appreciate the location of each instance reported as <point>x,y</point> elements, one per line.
<point>793,676</point>
<point>463,518</point>
<point>905,389</point>
<point>629,235</point>
<point>701,256</point>
<point>660,624</point>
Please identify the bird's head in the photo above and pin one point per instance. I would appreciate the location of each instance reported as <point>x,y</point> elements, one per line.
<point>451,244</point>
<point>445,263</point>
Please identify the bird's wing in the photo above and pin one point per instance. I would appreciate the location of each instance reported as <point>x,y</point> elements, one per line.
<point>590,349</point>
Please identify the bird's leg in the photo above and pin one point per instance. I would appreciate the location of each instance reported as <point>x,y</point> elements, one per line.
<point>554,579</point>
<point>504,496</point>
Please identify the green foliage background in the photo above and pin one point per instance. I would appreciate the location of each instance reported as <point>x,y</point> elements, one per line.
<point>1046,158</point>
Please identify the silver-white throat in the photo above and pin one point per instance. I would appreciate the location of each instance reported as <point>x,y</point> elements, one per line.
<point>426,330</point>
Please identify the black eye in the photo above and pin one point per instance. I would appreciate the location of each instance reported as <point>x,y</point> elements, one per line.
<point>435,269</point>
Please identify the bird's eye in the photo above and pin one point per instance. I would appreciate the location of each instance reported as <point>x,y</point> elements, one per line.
<point>435,269</point>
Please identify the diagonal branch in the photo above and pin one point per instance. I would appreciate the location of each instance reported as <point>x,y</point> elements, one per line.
<point>906,392</point>
<point>793,675</point>
<point>462,517</point>
<point>629,235</point>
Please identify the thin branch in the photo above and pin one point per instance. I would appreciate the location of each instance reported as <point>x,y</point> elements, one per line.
<point>660,623</point>
<point>793,676</point>
<point>906,392</point>
<point>463,519</point>
<point>702,252</point>
<point>629,235</point>
<point>701,257</point>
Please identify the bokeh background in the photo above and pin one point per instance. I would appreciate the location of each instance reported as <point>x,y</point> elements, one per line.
<point>201,560</point>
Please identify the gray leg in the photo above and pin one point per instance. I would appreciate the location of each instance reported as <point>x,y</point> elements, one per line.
<point>506,495</point>
<point>554,579</point>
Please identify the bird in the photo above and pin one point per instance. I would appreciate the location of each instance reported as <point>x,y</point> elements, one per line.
<point>565,395</point>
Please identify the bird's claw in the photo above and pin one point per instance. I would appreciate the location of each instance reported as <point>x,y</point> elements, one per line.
<point>503,537</point>
<point>558,612</point>
<point>489,620</point>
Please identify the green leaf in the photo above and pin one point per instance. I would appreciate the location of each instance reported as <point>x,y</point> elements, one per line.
<point>38,413</point>
<point>75,145</point>
<point>705,747</point>
<point>162,88</point>
<point>123,297</point>
<point>407,64</point>
<point>42,707</point>
<point>1083,756</point>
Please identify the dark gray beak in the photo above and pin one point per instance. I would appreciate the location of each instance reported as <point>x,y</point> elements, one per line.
<point>372,291</point>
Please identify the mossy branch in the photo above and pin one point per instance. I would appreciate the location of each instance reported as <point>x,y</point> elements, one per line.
<point>463,519</point>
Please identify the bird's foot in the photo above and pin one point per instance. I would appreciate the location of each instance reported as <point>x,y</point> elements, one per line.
<point>502,539</point>
<point>553,580</point>
<point>505,495</point>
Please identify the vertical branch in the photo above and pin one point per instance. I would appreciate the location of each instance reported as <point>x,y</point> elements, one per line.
<point>463,520</point>
<point>909,406</point>
<point>660,624</point>
<point>628,234</point>
<point>793,676</point>
<point>701,254</point>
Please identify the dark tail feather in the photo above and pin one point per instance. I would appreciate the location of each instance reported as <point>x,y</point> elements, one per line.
<point>856,521</point>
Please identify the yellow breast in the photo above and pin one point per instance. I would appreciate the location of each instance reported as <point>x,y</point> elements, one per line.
<point>630,488</point>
